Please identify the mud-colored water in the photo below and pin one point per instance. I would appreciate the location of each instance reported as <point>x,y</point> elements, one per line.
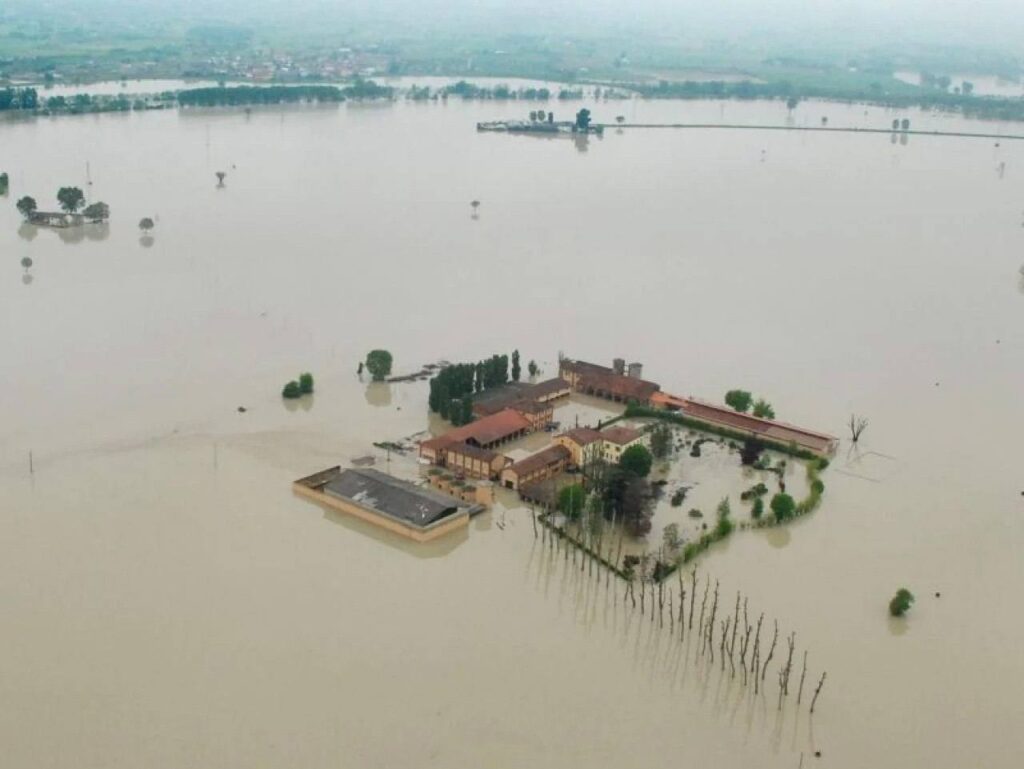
<point>165,601</point>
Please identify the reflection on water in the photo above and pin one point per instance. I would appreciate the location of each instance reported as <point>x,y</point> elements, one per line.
<point>97,231</point>
<point>28,231</point>
<point>27,279</point>
<point>70,235</point>
<point>898,626</point>
<point>800,279</point>
<point>147,241</point>
<point>378,394</point>
<point>434,549</point>
<point>778,536</point>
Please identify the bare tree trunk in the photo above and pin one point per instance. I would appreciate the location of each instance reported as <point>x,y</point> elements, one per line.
<point>711,624</point>
<point>771,652</point>
<point>791,640</point>
<point>735,626</point>
<point>803,673</point>
<point>703,603</point>
<point>817,691</point>
<point>693,594</point>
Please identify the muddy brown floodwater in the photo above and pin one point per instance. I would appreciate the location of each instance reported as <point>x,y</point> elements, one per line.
<point>166,601</point>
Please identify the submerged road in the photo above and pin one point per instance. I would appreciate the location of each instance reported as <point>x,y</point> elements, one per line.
<point>824,129</point>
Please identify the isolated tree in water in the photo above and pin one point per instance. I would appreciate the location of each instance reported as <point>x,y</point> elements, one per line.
<point>763,409</point>
<point>379,364</point>
<point>70,199</point>
<point>783,507</point>
<point>97,212</point>
<point>146,224</point>
<point>26,206</point>
<point>739,400</point>
<point>901,602</point>
<point>583,119</point>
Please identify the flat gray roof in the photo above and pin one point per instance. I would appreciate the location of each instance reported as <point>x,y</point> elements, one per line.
<point>391,496</point>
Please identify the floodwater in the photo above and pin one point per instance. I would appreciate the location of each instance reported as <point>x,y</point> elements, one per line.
<point>166,601</point>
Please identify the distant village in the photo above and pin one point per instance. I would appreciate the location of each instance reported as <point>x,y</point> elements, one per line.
<point>470,461</point>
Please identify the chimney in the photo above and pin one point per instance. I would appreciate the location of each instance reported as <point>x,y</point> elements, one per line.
<point>619,366</point>
<point>636,370</point>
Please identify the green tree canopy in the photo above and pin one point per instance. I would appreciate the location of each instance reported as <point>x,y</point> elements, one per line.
<point>764,409</point>
<point>70,199</point>
<point>26,206</point>
<point>516,370</point>
<point>379,364</point>
<point>97,212</point>
<point>636,460</point>
<point>571,500</point>
<point>783,507</point>
<point>739,400</point>
<point>292,390</point>
<point>901,602</point>
<point>306,383</point>
<point>146,224</point>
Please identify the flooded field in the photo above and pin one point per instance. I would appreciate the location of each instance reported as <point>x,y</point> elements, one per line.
<point>166,601</point>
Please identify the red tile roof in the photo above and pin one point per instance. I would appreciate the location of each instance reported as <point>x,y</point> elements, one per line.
<point>485,431</point>
<point>620,435</point>
<point>534,462</point>
<point>776,431</point>
<point>582,436</point>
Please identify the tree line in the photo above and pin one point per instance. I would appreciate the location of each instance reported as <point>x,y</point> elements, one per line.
<point>453,387</point>
<point>19,98</point>
<point>963,102</point>
<point>247,94</point>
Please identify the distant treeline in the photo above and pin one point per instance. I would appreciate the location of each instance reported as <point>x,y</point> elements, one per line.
<point>281,94</point>
<point>989,107</point>
<point>18,98</point>
<point>246,94</point>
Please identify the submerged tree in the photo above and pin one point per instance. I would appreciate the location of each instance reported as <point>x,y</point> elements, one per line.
<point>763,409</point>
<point>306,383</point>
<point>146,224</point>
<point>70,199</point>
<point>901,602</point>
<point>97,212</point>
<point>220,178</point>
<point>661,440</point>
<point>571,500</point>
<point>636,460</point>
<point>26,206</point>
<point>783,507</point>
<point>292,390</point>
<point>379,364</point>
<point>857,426</point>
<point>739,400</point>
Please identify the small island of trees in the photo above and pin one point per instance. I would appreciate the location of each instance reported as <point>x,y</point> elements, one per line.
<point>70,200</point>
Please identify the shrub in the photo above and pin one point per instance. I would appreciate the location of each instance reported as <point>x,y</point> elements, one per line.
<point>678,496</point>
<point>758,508</point>
<point>695,513</point>
<point>292,390</point>
<point>306,383</point>
<point>754,492</point>
<point>901,602</point>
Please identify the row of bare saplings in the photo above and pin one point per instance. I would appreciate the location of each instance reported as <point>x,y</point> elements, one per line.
<point>738,640</point>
